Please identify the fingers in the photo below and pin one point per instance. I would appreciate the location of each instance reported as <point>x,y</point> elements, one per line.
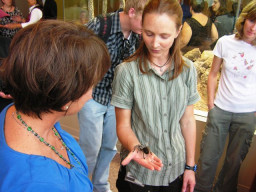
<point>157,165</point>
<point>184,186</point>
<point>188,181</point>
<point>127,160</point>
<point>149,161</point>
<point>3,95</point>
<point>145,163</point>
<point>156,162</point>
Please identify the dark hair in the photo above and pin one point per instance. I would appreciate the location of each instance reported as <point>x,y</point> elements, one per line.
<point>197,5</point>
<point>248,12</point>
<point>221,11</point>
<point>173,9</point>
<point>52,63</point>
<point>39,2</point>
<point>223,8</point>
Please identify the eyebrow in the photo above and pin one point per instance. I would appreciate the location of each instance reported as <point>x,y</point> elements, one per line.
<point>154,33</point>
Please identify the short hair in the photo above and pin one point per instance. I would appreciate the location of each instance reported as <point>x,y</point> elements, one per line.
<point>173,9</point>
<point>248,12</point>
<point>138,5</point>
<point>52,63</point>
<point>197,5</point>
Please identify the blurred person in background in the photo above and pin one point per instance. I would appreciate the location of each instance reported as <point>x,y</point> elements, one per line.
<point>9,8</point>
<point>35,14</point>
<point>199,30</point>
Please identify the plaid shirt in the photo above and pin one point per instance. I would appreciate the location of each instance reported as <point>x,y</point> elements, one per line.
<point>119,48</point>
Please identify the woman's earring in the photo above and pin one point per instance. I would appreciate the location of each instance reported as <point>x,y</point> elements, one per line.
<point>66,107</point>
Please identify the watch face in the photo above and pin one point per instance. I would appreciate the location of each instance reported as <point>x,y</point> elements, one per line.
<point>195,168</point>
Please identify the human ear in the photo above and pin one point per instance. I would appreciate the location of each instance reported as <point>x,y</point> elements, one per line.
<point>131,12</point>
<point>178,31</point>
<point>66,106</point>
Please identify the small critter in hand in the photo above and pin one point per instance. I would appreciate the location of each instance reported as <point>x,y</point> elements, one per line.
<point>142,148</point>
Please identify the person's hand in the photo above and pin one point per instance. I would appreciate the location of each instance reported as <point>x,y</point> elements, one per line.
<point>1,25</point>
<point>149,161</point>
<point>12,25</point>
<point>3,95</point>
<point>17,18</point>
<point>210,106</point>
<point>189,181</point>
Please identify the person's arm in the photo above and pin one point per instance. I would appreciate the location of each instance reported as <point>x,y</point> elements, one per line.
<point>186,34</point>
<point>212,80</point>
<point>129,140</point>
<point>36,15</point>
<point>12,25</point>
<point>18,18</point>
<point>188,129</point>
<point>214,33</point>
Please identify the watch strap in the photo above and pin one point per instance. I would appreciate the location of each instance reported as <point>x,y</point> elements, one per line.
<point>194,168</point>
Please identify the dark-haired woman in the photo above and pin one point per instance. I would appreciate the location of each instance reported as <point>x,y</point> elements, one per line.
<point>198,31</point>
<point>223,20</point>
<point>12,11</point>
<point>154,92</point>
<point>232,110</point>
<point>47,80</point>
<point>218,8</point>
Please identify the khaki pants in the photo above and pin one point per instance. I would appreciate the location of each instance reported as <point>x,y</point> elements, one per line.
<point>240,127</point>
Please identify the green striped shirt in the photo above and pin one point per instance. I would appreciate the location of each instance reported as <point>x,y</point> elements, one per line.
<point>157,106</point>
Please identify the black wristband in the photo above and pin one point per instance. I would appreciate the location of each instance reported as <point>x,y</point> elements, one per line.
<point>194,168</point>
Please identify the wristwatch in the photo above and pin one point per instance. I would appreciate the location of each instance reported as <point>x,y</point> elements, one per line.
<point>194,168</point>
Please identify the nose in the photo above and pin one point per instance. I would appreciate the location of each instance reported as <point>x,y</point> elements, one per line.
<point>254,26</point>
<point>155,42</point>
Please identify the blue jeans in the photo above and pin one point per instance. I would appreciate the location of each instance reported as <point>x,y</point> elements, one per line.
<point>98,141</point>
<point>240,127</point>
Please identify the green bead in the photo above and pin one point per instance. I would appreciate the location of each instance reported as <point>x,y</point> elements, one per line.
<point>41,139</point>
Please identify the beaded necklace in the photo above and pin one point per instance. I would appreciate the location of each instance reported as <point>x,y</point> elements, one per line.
<point>41,139</point>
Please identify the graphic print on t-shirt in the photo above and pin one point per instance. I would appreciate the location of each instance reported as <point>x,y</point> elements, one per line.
<point>242,65</point>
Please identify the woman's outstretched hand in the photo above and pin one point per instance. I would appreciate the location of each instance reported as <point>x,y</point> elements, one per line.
<point>149,161</point>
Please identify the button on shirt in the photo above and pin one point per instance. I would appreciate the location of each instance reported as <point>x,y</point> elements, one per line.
<point>119,48</point>
<point>157,105</point>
